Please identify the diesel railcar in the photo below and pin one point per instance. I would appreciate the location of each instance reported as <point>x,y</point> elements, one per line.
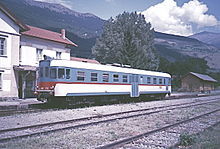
<point>64,78</point>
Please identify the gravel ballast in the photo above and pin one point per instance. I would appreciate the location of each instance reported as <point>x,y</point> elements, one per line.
<point>92,136</point>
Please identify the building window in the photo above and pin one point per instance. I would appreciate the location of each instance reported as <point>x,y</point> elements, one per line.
<point>53,73</point>
<point>148,80</point>
<point>81,76</point>
<point>2,46</point>
<point>1,81</point>
<point>58,55</point>
<point>105,77</point>
<point>125,78</point>
<point>61,73</point>
<point>67,73</point>
<point>94,76</point>
<point>155,81</point>
<point>115,77</point>
<point>39,54</point>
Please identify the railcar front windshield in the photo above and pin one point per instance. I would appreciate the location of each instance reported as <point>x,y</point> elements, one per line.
<point>54,73</point>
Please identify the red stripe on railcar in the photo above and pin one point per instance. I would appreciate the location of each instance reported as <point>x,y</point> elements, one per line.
<point>50,84</point>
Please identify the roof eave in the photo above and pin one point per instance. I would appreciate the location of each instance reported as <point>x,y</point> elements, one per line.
<point>72,44</point>
<point>7,12</point>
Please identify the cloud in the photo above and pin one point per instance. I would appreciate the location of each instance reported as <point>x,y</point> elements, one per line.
<point>168,17</point>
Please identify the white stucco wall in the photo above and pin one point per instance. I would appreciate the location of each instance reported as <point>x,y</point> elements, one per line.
<point>28,56</point>
<point>29,46</point>
<point>10,31</point>
<point>7,25</point>
<point>65,56</point>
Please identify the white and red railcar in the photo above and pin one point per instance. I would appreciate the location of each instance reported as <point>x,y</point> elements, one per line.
<point>63,78</point>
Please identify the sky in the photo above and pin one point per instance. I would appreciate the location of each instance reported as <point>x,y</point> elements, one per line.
<point>179,17</point>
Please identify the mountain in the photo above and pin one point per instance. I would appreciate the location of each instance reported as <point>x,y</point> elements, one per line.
<point>81,28</point>
<point>208,37</point>
<point>175,48</point>
<point>48,15</point>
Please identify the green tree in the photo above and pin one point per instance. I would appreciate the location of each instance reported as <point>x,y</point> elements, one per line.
<point>128,40</point>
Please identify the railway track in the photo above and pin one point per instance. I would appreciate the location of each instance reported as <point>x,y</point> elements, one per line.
<point>19,132</point>
<point>170,133</point>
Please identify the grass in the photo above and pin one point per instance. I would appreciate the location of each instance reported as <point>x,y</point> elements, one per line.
<point>208,139</point>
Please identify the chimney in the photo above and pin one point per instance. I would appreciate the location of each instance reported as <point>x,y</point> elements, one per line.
<point>63,33</point>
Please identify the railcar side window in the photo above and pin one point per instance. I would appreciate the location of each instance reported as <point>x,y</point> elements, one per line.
<point>61,73</point>
<point>81,75</point>
<point>105,77</point>
<point>125,78</point>
<point>142,80</point>
<point>115,77</point>
<point>148,80</point>
<point>164,81</point>
<point>160,81</point>
<point>53,73</point>
<point>155,81</point>
<point>94,76</point>
<point>67,73</point>
<point>46,72</point>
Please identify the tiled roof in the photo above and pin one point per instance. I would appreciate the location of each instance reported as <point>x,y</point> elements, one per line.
<point>84,60</point>
<point>46,34</point>
<point>203,77</point>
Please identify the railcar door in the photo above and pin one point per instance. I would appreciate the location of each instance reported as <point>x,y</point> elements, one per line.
<point>134,85</point>
<point>166,83</point>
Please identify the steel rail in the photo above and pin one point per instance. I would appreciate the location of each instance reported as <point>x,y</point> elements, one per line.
<point>106,115</point>
<point>97,122</point>
<point>133,138</point>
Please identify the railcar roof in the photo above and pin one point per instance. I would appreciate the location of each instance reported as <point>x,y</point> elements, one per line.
<point>83,65</point>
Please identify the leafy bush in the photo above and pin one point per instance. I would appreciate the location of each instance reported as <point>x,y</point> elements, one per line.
<point>186,140</point>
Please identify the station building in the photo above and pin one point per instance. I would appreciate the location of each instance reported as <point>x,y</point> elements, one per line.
<point>21,48</point>
<point>195,82</point>
<point>10,33</point>
<point>35,44</point>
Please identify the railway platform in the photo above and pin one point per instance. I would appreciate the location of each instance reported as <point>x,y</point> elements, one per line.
<point>18,104</point>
